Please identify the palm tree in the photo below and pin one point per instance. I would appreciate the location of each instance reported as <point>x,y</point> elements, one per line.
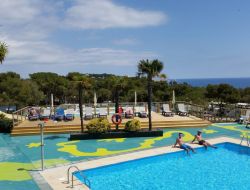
<point>151,69</point>
<point>3,51</point>
<point>83,83</point>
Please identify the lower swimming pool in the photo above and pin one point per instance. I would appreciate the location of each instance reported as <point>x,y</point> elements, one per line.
<point>227,167</point>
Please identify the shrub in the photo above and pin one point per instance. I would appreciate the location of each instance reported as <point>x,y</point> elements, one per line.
<point>5,124</point>
<point>98,125</point>
<point>133,125</point>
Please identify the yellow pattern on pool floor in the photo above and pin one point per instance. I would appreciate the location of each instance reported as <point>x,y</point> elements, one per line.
<point>71,147</point>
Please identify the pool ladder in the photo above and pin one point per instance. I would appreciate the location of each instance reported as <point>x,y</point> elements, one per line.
<point>86,180</point>
<point>245,137</point>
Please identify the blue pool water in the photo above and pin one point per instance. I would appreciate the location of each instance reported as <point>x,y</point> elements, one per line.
<point>227,167</point>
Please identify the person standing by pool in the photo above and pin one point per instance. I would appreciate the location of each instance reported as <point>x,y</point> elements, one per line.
<point>198,137</point>
<point>182,145</point>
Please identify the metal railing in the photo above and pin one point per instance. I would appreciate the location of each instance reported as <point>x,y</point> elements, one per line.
<point>246,138</point>
<point>86,180</point>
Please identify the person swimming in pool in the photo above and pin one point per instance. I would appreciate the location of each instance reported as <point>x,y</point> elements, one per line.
<point>182,145</point>
<point>198,137</point>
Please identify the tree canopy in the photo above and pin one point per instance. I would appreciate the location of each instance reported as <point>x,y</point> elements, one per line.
<point>35,90</point>
<point>3,51</point>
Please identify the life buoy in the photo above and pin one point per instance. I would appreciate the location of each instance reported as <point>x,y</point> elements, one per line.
<point>117,117</point>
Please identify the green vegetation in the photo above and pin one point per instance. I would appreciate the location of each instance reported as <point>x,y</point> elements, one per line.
<point>3,51</point>
<point>98,125</point>
<point>5,124</point>
<point>152,69</point>
<point>36,90</point>
<point>133,125</point>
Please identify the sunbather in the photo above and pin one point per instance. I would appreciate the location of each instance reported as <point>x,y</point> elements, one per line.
<point>182,145</point>
<point>198,137</point>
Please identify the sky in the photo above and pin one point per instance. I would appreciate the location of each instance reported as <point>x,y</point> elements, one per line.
<point>194,38</point>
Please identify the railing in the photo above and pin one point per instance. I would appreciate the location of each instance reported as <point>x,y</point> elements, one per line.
<point>20,115</point>
<point>245,137</point>
<point>200,111</point>
<point>86,180</point>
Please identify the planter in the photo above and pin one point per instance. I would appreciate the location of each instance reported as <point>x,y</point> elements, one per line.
<point>116,134</point>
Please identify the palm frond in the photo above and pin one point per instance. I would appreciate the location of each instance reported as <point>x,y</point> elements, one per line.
<point>3,51</point>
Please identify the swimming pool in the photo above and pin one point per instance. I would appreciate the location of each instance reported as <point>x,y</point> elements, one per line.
<point>224,168</point>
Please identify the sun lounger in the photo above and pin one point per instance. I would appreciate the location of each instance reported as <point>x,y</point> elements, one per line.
<point>141,112</point>
<point>69,114</point>
<point>182,111</point>
<point>33,114</point>
<point>166,110</point>
<point>88,113</point>
<point>45,114</point>
<point>129,112</point>
<point>59,115</point>
<point>245,118</point>
<point>102,112</point>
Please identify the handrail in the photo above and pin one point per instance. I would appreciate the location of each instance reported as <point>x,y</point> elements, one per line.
<point>247,139</point>
<point>86,180</point>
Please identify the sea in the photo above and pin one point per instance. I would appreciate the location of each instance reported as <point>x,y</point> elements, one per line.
<point>236,82</point>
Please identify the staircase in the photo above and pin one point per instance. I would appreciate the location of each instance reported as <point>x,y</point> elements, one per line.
<point>66,128</point>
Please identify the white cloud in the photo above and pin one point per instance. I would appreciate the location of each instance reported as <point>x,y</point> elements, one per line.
<point>125,41</point>
<point>102,14</point>
<point>17,12</point>
<point>46,53</point>
<point>27,27</point>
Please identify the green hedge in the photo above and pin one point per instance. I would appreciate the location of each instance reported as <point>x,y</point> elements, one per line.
<point>5,124</point>
<point>98,125</point>
<point>133,125</point>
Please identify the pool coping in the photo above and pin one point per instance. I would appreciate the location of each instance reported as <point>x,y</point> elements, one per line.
<point>56,177</point>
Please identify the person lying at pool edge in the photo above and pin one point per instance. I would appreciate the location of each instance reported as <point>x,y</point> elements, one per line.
<point>182,145</point>
<point>198,137</point>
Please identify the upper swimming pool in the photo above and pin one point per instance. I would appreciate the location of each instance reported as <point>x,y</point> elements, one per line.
<point>224,168</point>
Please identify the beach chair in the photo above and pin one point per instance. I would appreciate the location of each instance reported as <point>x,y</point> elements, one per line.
<point>102,112</point>
<point>69,115</point>
<point>129,112</point>
<point>59,114</point>
<point>166,110</point>
<point>141,112</point>
<point>88,113</point>
<point>33,114</point>
<point>182,111</point>
<point>244,119</point>
<point>45,114</point>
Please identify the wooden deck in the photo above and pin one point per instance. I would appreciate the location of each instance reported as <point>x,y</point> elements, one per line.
<point>159,121</point>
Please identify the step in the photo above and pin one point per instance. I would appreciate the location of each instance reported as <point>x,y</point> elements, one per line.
<point>142,123</point>
<point>78,127</point>
<point>36,132</point>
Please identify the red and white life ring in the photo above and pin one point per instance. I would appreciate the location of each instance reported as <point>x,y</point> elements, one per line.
<point>115,117</point>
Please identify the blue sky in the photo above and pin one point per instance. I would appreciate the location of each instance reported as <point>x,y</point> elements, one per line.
<point>194,38</point>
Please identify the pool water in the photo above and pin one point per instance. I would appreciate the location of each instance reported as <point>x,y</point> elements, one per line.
<point>227,167</point>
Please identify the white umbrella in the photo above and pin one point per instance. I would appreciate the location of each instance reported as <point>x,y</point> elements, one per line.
<point>95,102</point>
<point>135,98</point>
<point>173,99</point>
<point>52,104</point>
